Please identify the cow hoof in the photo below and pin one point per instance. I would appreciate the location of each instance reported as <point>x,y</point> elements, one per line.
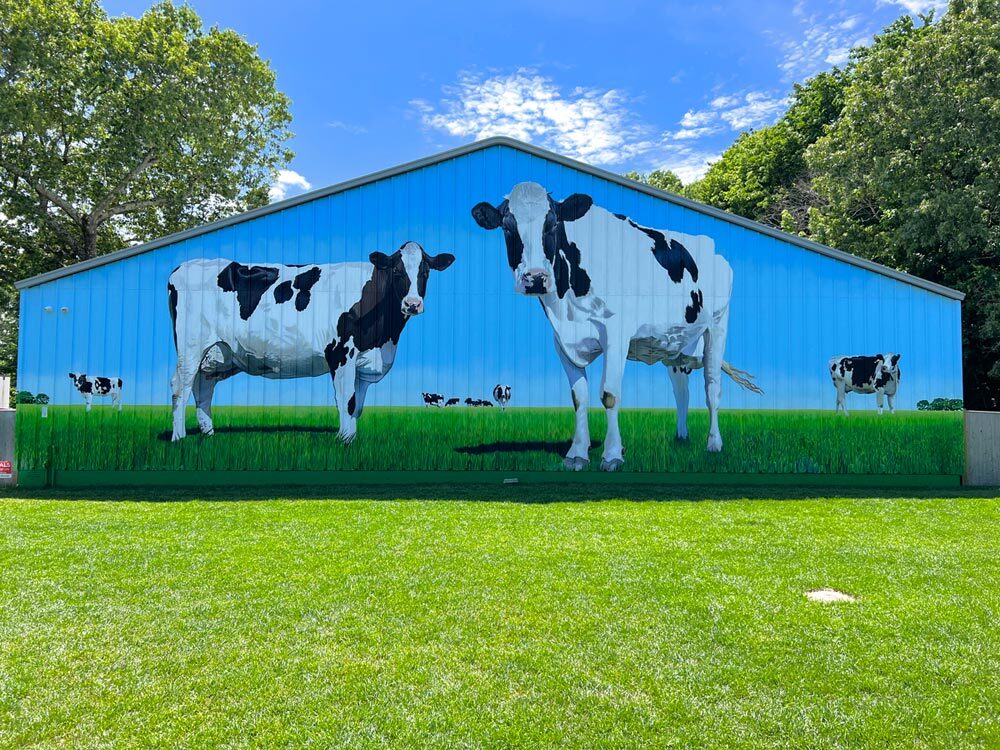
<point>576,463</point>
<point>176,438</point>
<point>714,445</point>
<point>346,439</point>
<point>209,432</point>
<point>681,439</point>
<point>613,464</point>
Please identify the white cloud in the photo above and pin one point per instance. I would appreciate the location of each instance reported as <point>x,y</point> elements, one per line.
<point>688,134</point>
<point>916,7</point>
<point>724,101</point>
<point>347,127</point>
<point>585,123</point>
<point>692,119</point>
<point>824,43</point>
<point>288,179</point>
<point>688,163</point>
<point>757,108</point>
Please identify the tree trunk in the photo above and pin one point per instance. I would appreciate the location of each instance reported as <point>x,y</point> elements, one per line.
<point>89,235</point>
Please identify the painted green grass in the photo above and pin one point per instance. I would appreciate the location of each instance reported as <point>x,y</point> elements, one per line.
<point>304,438</point>
<point>457,624</point>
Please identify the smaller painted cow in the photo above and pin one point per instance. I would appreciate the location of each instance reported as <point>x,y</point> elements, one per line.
<point>433,399</point>
<point>879,374</point>
<point>501,394</point>
<point>474,402</point>
<point>91,385</point>
<point>453,402</point>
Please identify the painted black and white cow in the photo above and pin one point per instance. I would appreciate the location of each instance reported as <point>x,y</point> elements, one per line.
<point>501,394</point>
<point>92,385</point>
<point>610,286</point>
<point>433,399</point>
<point>879,374</point>
<point>283,321</point>
<point>452,401</point>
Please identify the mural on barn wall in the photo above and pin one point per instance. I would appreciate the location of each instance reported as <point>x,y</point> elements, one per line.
<point>285,324</point>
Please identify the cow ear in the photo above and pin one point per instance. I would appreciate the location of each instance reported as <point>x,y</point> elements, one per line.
<point>440,261</point>
<point>574,207</point>
<point>73,375</point>
<point>380,260</point>
<point>487,216</point>
<point>895,358</point>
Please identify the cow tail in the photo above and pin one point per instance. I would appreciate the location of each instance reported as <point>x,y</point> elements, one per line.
<point>742,378</point>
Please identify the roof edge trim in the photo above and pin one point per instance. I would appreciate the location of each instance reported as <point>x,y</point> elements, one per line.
<point>469,148</point>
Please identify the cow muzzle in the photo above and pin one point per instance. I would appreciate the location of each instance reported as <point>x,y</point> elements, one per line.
<point>534,282</point>
<point>412,306</point>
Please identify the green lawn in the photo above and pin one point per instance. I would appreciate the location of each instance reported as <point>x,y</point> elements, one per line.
<point>305,438</point>
<point>495,618</point>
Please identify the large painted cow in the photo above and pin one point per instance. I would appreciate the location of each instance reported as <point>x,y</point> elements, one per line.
<point>877,374</point>
<point>285,321</point>
<point>610,286</point>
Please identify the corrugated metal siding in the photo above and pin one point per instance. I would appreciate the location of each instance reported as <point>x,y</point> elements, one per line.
<point>791,309</point>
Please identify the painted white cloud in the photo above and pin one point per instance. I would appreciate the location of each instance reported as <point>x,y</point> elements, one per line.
<point>347,127</point>
<point>288,180</point>
<point>589,124</point>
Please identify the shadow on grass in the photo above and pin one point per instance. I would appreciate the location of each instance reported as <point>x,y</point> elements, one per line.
<point>166,435</point>
<point>521,493</point>
<point>557,447</point>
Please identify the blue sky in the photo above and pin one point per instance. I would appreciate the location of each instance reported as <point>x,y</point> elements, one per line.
<point>623,85</point>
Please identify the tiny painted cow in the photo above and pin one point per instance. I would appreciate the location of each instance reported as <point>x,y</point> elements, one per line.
<point>91,385</point>
<point>284,321</point>
<point>877,374</point>
<point>433,399</point>
<point>501,394</point>
<point>612,287</point>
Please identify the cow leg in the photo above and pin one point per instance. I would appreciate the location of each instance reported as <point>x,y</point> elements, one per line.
<point>679,380</point>
<point>891,398</point>
<point>360,389</point>
<point>611,396</point>
<point>345,376</point>
<point>203,388</point>
<point>842,398</point>
<point>88,398</point>
<point>879,400</point>
<point>579,452</point>
<point>715,347</point>
<point>180,386</point>
<point>116,400</point>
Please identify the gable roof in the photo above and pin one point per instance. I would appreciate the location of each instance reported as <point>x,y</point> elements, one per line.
<point>469,148</point>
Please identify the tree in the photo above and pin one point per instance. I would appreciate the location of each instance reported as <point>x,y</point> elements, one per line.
<point>661,179</point>
<point>763,175</point>
<point>910,173</point>
<point>118,130</point>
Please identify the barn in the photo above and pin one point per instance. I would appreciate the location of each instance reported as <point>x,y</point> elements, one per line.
<point>493,312</point>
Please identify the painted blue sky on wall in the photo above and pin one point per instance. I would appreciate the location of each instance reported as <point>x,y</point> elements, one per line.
<point>791,309</point>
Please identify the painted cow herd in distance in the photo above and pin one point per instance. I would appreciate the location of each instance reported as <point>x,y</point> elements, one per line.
<point>649,295</point>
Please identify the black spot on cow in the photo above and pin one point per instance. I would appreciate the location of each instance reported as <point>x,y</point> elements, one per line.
<point>608,399</point>
<point>81,382</point>
<point>862,369</point>
<point>172,302</point>
<point>119,383</point>
<point>304,282</point>
<point>692,310</point>
<point>351,404</point>
<point>561,253</point>
<point>103,385</point>
<point>283,292</point>
<point>377,317</point>
<point>672,255</point>
<point>248,282</point>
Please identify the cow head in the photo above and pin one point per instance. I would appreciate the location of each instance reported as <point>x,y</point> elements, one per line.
<point>403,275</point>
<point>888,368</point>
<point>533,230</point>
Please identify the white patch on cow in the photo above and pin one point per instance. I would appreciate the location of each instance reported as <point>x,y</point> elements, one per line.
<point>412,254</point>
<point>829,596</point>
<point>529,203</point>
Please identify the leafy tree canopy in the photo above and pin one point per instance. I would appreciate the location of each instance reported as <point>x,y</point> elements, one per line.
<point>119,130</point>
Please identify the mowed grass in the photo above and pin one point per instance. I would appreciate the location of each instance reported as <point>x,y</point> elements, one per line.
<point>305,438</point>
<point>464,624</point>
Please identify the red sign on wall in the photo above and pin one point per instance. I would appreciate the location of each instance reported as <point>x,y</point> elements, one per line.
<point>6,470</point>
